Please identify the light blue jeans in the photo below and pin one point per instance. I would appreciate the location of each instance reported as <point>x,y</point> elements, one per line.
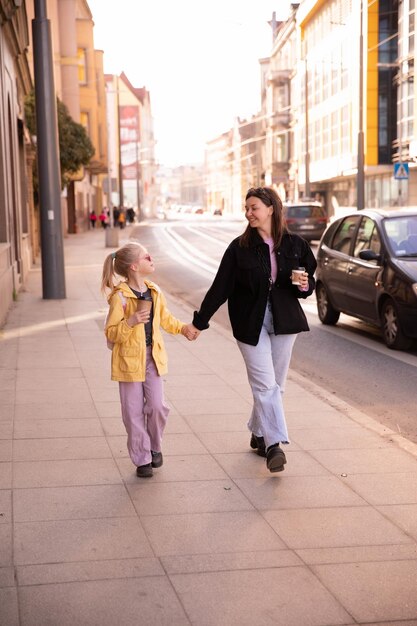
<point>267,366</point>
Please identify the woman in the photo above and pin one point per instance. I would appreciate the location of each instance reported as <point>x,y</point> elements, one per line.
<point>254,277</point>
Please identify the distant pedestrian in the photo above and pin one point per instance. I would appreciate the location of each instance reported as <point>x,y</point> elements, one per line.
<point>130,215</point>
<point>104,218</point>
<point>122,218</point>
<point>139,359</point>
<point>93,218</point>
<point>254,277</point>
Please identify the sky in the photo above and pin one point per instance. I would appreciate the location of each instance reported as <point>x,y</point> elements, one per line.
<point>198,59</point>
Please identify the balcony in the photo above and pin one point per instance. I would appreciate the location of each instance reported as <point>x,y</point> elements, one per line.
<point>279,77</point>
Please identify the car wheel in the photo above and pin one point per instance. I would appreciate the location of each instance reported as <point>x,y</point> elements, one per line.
<point>327,314</point>
<point>391,327</point>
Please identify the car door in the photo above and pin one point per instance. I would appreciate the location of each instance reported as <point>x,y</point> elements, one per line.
<point>335,261</point>
<point>362,284</point>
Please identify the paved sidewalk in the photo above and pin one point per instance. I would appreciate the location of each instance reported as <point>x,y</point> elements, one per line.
<point>213,539</point>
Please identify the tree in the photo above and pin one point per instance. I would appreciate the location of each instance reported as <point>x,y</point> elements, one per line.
<point>75,147</point>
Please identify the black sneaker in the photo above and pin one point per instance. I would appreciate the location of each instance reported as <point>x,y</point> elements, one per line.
<point>144,471</point>
<point>275,459</point>
<point>157,459</point>
<point>258,444</point>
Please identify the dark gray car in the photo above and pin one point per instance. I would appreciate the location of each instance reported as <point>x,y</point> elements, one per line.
<point>367,268</point>
<point>308,219</point>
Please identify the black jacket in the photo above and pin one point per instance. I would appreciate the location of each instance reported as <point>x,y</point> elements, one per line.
<point>243,280</point>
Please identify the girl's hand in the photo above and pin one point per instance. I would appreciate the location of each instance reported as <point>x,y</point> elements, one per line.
<point>190,332</point>
<point>140,317</point>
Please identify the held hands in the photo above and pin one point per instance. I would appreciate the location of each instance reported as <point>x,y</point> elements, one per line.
<point>190,332</point>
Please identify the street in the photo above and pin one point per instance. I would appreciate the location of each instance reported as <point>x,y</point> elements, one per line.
<point>349,360</point>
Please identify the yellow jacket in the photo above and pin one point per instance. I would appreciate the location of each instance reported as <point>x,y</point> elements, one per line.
<point>128,362</point>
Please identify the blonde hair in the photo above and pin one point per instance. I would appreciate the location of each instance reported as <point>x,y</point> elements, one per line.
<point>119,262</point>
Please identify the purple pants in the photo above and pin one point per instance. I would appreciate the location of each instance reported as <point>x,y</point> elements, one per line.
<point>144,413</point>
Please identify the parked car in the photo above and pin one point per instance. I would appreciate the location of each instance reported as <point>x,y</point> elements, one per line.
<point>367,268</point>
<point>308,219</point>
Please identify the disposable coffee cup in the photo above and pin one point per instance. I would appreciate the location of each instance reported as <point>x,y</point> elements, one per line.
<point>144,305</point>
<point>296,275</point>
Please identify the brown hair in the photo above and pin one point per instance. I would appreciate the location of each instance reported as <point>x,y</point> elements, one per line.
<point>270,198</point>
<point>118,263</point>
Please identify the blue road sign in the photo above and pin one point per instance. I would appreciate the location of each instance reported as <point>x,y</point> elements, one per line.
<point>401,171</point>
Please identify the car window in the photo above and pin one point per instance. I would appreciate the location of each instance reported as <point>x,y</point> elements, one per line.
<point>367,237</point>
<point>402,234</point>
<point>344,234</point>
<point>305,210</point>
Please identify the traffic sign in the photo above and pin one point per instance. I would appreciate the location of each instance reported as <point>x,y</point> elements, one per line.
<point>401,171</point>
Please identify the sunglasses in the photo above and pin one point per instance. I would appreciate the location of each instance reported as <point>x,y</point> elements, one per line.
<point>145,257</point>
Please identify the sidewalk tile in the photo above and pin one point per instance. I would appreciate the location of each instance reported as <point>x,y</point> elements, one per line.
<point>228,561</point>
<point>44,428</point>
<point>70,410</point>
<point>404,515</point>
<point>7,577</point>
<point>5,506</point>
<point>88,570</point>
<point>60,449</point>
<point>376,591</point>
<point>366,461</point>
<point>74,472</point>
<point>357,554</point>
<point>217,423</point>
<point>337,438</point>
<point>211,405</point>
<point>6,540</point>
<point>5,450</point>
<point>208,533</point>
<point>298,492</point>
<point>9,612</point>
<point>35,505</point>
<point>187,497</point>
<point>107,602</point>
<point>79,540</point>
<point>290,596</point>
<point>399,488</point>
<point>5,475</point>
<point>334,527</point>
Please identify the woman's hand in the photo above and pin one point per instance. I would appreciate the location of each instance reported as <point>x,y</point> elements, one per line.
<point>303,286</point>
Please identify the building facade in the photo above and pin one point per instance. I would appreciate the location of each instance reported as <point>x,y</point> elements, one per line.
<point>17,218</point>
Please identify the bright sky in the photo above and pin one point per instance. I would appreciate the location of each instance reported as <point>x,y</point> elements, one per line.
<point>199,60</point>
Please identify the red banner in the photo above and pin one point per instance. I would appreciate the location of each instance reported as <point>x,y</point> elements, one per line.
<point>129,141</point>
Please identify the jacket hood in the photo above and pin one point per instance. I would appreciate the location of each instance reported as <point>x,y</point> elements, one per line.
<point>124,288</point>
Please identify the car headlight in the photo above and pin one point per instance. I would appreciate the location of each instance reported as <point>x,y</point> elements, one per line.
<point>414,287</point>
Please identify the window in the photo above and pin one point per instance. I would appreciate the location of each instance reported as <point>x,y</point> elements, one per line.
<point>367,237</point>
<point>344,234</point>
<point>82,66</point>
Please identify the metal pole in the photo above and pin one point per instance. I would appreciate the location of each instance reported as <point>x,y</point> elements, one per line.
<point>307,155</point>
<point>361,157</point>
<point>53,270</point>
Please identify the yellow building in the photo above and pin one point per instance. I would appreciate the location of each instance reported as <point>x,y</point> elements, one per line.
<point>79,83</point>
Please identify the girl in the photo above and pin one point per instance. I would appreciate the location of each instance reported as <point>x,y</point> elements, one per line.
<point>139,358</point>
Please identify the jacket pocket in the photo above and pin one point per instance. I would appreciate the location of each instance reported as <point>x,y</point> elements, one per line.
<point>129,359</point>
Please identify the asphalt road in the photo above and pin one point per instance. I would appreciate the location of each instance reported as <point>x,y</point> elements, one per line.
<point>349,360</point>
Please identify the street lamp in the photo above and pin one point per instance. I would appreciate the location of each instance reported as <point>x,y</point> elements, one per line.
<point>53,271</point>
<point>361,158</point>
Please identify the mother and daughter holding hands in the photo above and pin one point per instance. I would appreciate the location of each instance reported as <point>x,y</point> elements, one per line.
<point>254,277</point>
